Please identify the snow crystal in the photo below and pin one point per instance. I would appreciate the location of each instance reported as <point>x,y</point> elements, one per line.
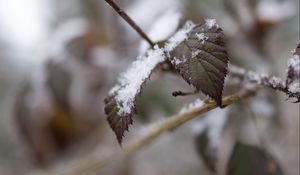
<point>195,104</point>
<point>179,36</point>
<point>177,61</point>
<point>195,53</point>
<point>275,81</point>
<point>201,37</point>
<point>163,28</point>
<point>294,62</point>
<point>131,81</point>
<point>210,23</point>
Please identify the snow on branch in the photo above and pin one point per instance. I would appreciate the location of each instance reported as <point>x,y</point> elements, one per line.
<point>264,80</point>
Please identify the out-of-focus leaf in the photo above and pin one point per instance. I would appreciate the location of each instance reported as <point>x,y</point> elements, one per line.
<point>58,82</point>
<point>206,153</point>
<point>202,59</point>
<point>251,160</point>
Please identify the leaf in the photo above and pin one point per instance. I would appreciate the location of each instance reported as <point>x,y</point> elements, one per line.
<point>204,150</point>
<point>251,160</point>
<point>202,59</point>
<point>120,103</point>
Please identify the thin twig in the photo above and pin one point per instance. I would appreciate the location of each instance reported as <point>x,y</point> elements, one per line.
<point>127,18</point>
<point>93,165</point>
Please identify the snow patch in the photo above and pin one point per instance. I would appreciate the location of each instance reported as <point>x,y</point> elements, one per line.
<point>294,63</point>
<point>201,37</point>
<point>195,53</point>
<point>131,81</point>
<point>177,61</point>
<point>294,87</point>
<point>210,23</point>
<point>179,36</point>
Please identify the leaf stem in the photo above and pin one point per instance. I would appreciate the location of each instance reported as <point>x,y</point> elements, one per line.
<point>127,18</point>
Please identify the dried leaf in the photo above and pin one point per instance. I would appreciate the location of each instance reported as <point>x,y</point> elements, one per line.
<point>202,59</point>
<point>250,160</point>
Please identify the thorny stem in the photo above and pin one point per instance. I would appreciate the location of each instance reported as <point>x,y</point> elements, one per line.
<point>91,165</point>
<point>127,18</point>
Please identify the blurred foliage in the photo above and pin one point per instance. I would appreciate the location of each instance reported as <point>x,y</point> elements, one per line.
<point>252,160</point>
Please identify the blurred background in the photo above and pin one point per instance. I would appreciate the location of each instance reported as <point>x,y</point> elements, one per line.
<point>58,60</point>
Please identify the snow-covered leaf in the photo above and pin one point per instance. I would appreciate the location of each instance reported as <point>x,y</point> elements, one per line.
<point>201,58</point>
<point>250,160</point>
<point>120,104</point>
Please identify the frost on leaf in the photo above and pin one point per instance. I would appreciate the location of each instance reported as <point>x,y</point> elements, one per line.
<point>201,58</point>
<point>120,103</point>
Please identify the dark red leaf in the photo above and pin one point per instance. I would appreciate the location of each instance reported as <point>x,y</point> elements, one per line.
<point>202,59</point>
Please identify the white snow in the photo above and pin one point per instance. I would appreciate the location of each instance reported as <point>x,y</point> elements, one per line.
<point>179,36</point>
<point>162,28</point>
<point>177,61</point>
<point>259,78</point>
<point>131,81</point>
<point>201,37</point>
<point>195,104</point>
<point>294,87</point>
<point>210,23</point>
<point>294,62</point>
<point>275,81</point>
<point>195,53</point>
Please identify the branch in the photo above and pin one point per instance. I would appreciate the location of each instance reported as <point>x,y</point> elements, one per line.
<point>124,15</point>
<point>93,165</point>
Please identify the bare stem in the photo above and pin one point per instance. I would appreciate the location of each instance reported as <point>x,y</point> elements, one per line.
<point>124,15</point>
<point>92,165</point>
<point>180,93</point>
